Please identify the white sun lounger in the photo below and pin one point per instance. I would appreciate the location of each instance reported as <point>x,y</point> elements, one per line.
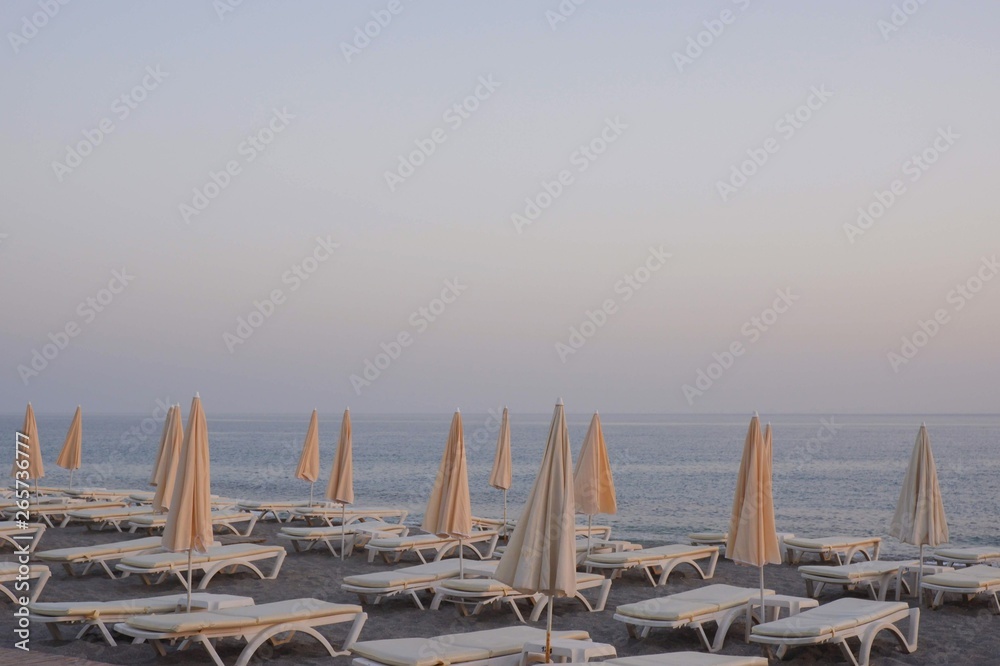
<point>16,535</point>
<point>154,568</point>
<point>968,556</point>
<point>840,620</point>
<point>875,576</point>
<point>680,659</point>
<point>661,561</point>
<point>100,494</point>
<point>969,582</point>
<point>492,647</point>
<point>100,554</point>
<point>718,604</point>
<point>483,523</point>
<point>101,518</point>
<point>227,519</point>
<point>393,548</point>
<point>354,535</point>
<point>99,615</point>
<point>10,573</point>
<point>58,509</point>
<point>332,514</point>
<point>254,624</point>
<point>274,508</point>
<point>409,581</point>
<point>841,548</point>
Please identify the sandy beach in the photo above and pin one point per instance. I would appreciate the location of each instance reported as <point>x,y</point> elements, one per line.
<point>957,633</point>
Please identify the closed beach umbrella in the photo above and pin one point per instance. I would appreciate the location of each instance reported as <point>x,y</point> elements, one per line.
<point>753,540</point>
<point>541,554</point>
<point>308,468</point>
<point>449,508</point>
<point>159,452</point>
<point>30,449</point>
<point>593,484</point>
<point>500,476</point>
<point>919,519</point>
<point>69,457</point>
<point>170,458</point>
<point>341,485</point>
<point>189,520</point>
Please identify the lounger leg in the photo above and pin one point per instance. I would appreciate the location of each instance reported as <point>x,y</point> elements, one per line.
<point>416,599</point>
<point>104,632</point>
<point>602,596</point>
<point>723,627</point>
<point>354,632</point>
<point>436,602</point>
<point>705,643</point>
<point>517,611</point>
<point>211,650</point>
<point>811,589</point>
<point>711,566</point>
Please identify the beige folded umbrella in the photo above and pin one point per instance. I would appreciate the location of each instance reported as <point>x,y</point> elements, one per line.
<point>753,540</point>
<point>69,457</point>
<point>189,520</point>
<point>33,469</point>
<point>919,519</point>
<point>593,485</point>
<point>500,476</point>
<point>449,508</point>
<point>541,554</point>
<point>170,456</point>
<point>341,485</point>
<point>159,452</point>
<point>308,468</point>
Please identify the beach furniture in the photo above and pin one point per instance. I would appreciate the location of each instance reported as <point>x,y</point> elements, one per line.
<point>837,622</point>
<point>968,582</point>
<point>100,494</point>
<point>482,523</point>
<point>333,514</point>
<point>409,581</point>
<point>841,548</point>
<point>393,548</point>
<point>227,519</point>
<point>685,659</point>
<point>482,592</point>
<point>101,615</point>
<point>10,573</point>
<point>101,518</point>
<point>719,539</point>
<point>967,556</point>
<point>72,559</point>
<point>16,535</point>
<point>713,604</point>
<point>254,624</point>
<point>492,647</point>
<point>875,576</point>
<point>656,563</point>
<point>56,510</point>
<point>154,568</point>
<point>273,507</point>
<point>354,535</point>
<point>141,497</point>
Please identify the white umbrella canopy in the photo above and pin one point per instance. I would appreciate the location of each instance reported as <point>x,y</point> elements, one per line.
<point>169,460</point>
<point>308,467</point>
<point>70,455</point>
<point>502,472</point>
<point>159,451</point>
<point>541,553</point>
<point>34,469</point>
<point>341,485</point>
<point>593,483</point>
<point>449,508</point>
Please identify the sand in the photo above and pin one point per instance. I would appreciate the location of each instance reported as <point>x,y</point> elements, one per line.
<point>959,633</point>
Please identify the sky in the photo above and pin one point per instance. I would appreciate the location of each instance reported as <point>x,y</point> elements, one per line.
<point>410,207</point>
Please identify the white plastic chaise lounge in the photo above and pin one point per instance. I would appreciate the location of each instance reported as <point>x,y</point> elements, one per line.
<point>227,519</point>
<point>968,582</point>
<point>57,510</point>
<point>15,534</point>
<point>10,573</point>
<point>154,568</point>
<point>685,659</point>
<point>875,576</point>
<point>355,535</point>
<point>719,539</point>
<point>492,647</point>
<point>100,494</point>
<point>837,622</point>
<point>101,518</point>
<point>841,548</point>
<point>968,556</point>
<point>332,514</point>
<point>405,581</point>
<point>254,624</point>
<point>656,563</point>
<point>101,615</point>
<point>712,604</point>
<point>393,548</point>
<point>101,555</point>
<point>274,508</point>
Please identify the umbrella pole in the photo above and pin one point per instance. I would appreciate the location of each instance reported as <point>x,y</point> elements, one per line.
<point>920,577</point>
<point>590,520</point>
<point>71,479</point>
<point>504,528</point>
<point>311,486</point>
<point>548,634</point>
<point>461,560</point>
<point>343,528</point>
<point>189,579</point>
<point>762,614</point>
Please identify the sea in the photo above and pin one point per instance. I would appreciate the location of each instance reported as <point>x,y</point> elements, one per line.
<point>674,474</point>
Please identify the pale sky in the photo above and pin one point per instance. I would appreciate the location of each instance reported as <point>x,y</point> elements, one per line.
<point>644,201</point>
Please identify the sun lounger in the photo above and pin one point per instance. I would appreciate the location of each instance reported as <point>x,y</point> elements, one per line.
<point>409,581</point>
<point>661,561</point>
<point>354,535</point>
<point>967,556</point>
<point>495,647</point>
<point>332,514</point>
<point>842,548</point>
<point>154,568</point>
<point>719,539</point>
<point>273,507</point>
<point>10,573</point>
<point>254,624</point>
<point>393,548</point>
<point>17,536</point>
<point>101,518</point>
<point>682,659</point>
<point>875,576</point>
<point>142,497</point>
<point>102,554</point>
<point>718,604</point>
<point>969,582</point>
<point>227,519</point>
<point>58,509</point>
<point>100,615</point>
<point>838,621</point>
<point>100,494</point>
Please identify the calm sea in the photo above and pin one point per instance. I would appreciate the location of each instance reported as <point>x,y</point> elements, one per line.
<point>833,474</point>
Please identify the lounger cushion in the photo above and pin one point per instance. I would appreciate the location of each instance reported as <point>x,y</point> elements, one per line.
<point>828,543</point>
<point>409,541</point>
<point>856,571</point>
<point>967,554</point>
<point>164,604</point>
<point>11,569</point>
<point>84,553</point>
<point>477,585</point>
<point>828,619</point>
<point>507,640</point>
<point>217,516</point>
<point>686,659</point>
<point>280,504</point>
<point>687,605</point>
<point>708,536</point>
<point>336,530</point>
<point>114,512</point>
<point>416,652</point>
<point>187,623</point>
<point>291,610</point>
<point>163,560</point>
<point>403,576</point>
<point>657,553</point>
<point>979,576</point>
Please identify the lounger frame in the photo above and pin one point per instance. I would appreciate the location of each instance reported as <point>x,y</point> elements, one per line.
<point>40,575</point>
<point>480,600</point>
<point>639,628</point>
<point>11,536</point>
<point>228,522</point>
<point>441,548</point>
<point>968,594</point>
<point>665,564</point>
<point>843,554</point>
<point>352,540</point>
<point>156,575</point>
